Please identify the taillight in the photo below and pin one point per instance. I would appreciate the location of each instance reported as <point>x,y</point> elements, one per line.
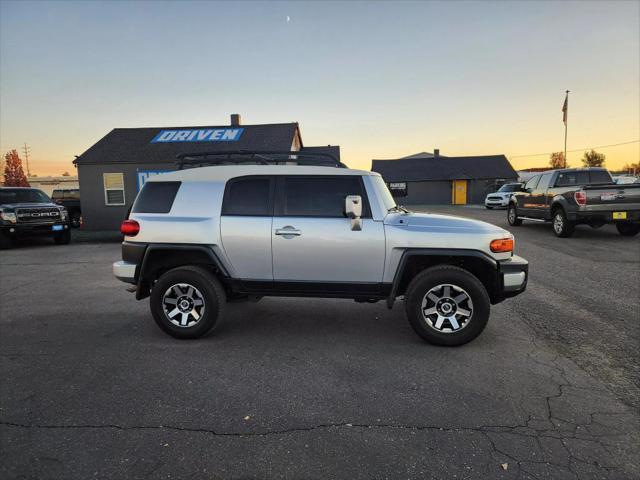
<point>501,245</point>
<point>580,197</point>
<point>130,228</point>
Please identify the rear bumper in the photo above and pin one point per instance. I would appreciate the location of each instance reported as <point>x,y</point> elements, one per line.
<point>514,275</point>
<point>586,216</point>
<point>125,271</point>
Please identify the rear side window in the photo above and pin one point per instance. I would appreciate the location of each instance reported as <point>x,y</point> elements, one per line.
<point>320,196</point>
<point>600,176</point>
<point>567,179</point>
<point>156,197</point>
<point>247,197</point>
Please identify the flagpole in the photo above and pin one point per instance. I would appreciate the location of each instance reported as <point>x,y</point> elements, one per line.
<point>566,122</point>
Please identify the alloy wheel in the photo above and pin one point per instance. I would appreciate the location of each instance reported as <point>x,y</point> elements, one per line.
<point>558,223</point>
<point>447,308</point>
<point>183,305</point>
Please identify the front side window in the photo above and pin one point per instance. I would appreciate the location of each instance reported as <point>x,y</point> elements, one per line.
<point>532,183</point>
<point>320,196</point>
<point>113,188</point>
<point>247,197</point>
<point>544,181</point>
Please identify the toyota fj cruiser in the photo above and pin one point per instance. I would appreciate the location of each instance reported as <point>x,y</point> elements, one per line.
<point>199,237</point>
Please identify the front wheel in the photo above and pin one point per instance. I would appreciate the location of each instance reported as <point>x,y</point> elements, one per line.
<point>512,216</point>
<point>447,305</point>
<point>187,302</point>
<point>628,229</point>
<point>561,226</point>
<point>63,238</point>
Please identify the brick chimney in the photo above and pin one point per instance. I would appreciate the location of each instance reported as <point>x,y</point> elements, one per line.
<point>236,120</point>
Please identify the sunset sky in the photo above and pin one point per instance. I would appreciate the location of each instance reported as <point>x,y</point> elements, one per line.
<point>382,80</point>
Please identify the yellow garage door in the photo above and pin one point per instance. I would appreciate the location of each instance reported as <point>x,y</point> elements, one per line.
<point>459,193</point>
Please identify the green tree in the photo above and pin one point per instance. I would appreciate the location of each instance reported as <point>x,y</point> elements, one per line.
<point>557,160</point>
<point>13,174</point>
<point>593,159</point>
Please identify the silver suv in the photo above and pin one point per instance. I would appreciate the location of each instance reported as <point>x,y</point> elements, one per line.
<point>198,238</point>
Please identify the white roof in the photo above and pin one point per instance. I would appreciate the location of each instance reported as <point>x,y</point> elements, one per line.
<point>222,173</point>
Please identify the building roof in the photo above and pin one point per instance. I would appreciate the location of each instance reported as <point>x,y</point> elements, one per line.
<point>221,173</point>
<point>444,168</point>
<point>330,149</point>
<point>134,145</point>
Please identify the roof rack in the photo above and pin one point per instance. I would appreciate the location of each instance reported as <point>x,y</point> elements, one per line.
<point>235,157</point>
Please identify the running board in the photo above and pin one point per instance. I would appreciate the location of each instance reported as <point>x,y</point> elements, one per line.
<point>532,219</point>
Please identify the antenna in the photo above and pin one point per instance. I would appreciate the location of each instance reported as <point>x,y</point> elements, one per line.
<point>27,150</point>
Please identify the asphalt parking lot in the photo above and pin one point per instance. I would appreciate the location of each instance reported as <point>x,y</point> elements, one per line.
<point>306,388</point>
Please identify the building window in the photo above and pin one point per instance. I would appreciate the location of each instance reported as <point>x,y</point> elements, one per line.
<point>113,188</point>
<point>398,189</point>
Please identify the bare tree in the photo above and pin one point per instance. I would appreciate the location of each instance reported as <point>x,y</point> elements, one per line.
<point>593,159</point>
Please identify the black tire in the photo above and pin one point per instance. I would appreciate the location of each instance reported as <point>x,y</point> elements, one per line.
<point>6,242</point>
<point>562,227</point>
<point>207,287</point>
<point>75,219</point>
<point>628,229</point>
<point>457,278</point>
<point>63,238</point>
<point>512,216</point>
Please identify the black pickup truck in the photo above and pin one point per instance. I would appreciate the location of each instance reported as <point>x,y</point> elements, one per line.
<point>69,198</point>
<point>28,211</point>
<point>572,196</point>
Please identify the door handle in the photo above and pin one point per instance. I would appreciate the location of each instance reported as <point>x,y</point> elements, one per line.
<point>288,231</point>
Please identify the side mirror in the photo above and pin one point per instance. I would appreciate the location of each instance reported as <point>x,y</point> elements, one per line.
<point>353,210</point>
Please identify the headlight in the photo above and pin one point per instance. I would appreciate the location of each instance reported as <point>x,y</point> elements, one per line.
<point>64,215</point>
<point>8,216</point>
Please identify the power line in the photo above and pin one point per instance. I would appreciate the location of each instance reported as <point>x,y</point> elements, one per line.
<point>577,149</point>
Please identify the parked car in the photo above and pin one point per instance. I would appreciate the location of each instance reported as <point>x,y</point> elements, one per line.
<point>200,237</point>
<point>69,199</point>
<point>502,196</point>
<point>572,196</point>
<point>29,211</point>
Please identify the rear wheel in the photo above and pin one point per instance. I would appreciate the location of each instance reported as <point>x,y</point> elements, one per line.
<point>628,229</point>
<point>187,302</point>
<point>447,305</point>
<point>512,216</point>
<point>561,226</point>
<point>75,219</point>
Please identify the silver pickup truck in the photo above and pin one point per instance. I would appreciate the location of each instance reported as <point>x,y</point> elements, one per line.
<point>573,196</point>
<point>200,237</point>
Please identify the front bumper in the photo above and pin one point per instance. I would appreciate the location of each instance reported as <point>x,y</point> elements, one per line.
<point>496,203</point>
<point>125,271</point>
<point>514,275</point>
<point>33,228</point>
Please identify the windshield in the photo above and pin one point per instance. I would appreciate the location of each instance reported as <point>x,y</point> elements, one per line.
<point>510,187</point>
<point>383,192</point>
<point>22,195</point>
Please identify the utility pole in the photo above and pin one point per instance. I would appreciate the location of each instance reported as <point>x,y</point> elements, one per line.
<point>26,151</point>
<point>565,118</point>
